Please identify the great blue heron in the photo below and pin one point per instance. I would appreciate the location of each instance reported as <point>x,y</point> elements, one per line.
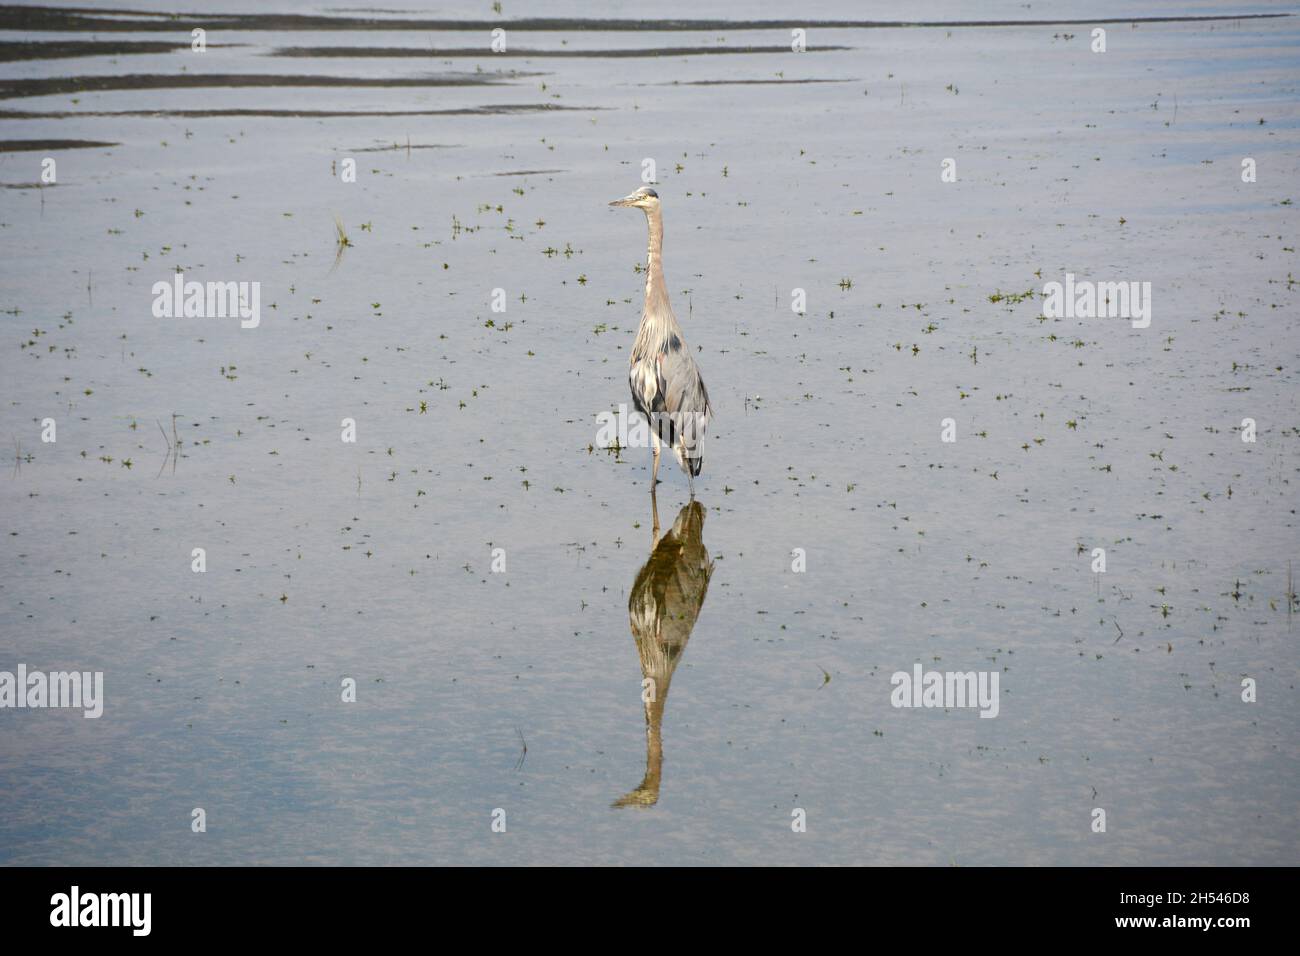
<point>666,384</point>
<point>661,610</point>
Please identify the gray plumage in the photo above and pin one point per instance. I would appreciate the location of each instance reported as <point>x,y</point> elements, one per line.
<point>666,384</point>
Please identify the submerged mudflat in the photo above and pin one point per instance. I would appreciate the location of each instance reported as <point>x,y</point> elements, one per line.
<point>355,651</point>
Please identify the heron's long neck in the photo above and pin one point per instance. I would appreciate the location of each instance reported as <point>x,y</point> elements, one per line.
<point>656,293</point>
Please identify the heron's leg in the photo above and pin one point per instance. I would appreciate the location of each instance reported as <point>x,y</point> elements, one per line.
<point>654,476</point>
<point>654,510</point>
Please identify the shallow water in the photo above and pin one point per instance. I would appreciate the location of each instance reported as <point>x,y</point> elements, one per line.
<point>476,430</point>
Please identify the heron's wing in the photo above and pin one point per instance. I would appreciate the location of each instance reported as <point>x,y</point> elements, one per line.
<point>680,384</point>
<point>684,397</point>
<point>647,390</point>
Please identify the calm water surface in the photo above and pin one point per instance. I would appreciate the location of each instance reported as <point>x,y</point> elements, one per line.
<point>476,431</point>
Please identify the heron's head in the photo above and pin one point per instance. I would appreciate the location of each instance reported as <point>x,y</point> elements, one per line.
<point>644,198</point>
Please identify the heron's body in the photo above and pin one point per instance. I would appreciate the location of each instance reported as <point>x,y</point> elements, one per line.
<point>666,384</point>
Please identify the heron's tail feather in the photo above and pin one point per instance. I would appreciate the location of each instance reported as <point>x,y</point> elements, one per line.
<point>683,432</point>
<point>691,459</point>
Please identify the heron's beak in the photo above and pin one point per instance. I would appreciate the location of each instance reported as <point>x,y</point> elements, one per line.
<point>625,201</point>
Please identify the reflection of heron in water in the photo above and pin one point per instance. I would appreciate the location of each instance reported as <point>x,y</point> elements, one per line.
<point>665,601</point>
